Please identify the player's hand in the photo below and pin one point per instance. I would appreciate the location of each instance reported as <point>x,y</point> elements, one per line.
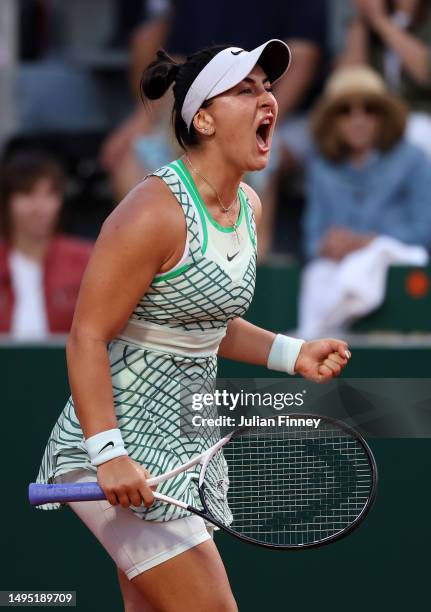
<point>124,482</point>
<point>321,360</point>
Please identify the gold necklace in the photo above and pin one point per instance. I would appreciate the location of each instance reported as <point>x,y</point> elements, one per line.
<point>226,209</point>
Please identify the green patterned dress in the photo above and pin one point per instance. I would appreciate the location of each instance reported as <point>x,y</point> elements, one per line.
<point>168,345</point>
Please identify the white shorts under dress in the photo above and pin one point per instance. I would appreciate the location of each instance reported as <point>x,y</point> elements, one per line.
<point>133,544</point>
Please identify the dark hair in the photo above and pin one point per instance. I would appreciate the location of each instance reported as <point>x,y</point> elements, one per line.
<point>19,174</point>
<point>164,71</point>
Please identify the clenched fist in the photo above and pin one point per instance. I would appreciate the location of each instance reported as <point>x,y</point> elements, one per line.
<point>321,360</point>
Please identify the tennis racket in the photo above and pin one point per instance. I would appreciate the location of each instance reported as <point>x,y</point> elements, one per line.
<point>287,487</point>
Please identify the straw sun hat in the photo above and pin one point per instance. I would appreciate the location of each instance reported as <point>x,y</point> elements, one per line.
<point>349,84</point>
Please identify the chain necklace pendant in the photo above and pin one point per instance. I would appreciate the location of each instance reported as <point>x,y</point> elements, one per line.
<point>235,229</point>
<point>234,226</point>
<point>225,209</point>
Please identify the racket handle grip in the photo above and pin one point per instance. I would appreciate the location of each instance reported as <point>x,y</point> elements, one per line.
<point>39,494</point>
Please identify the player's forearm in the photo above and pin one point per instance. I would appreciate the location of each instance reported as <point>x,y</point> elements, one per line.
<point>246,342</point>
<point>414,54</point>
<point>90,383</point>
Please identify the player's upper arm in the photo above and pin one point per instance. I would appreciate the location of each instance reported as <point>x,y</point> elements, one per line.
<point>254,201</point>
<point>139,236</point>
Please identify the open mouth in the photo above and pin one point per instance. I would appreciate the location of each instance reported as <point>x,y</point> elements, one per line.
<point>263,133</point>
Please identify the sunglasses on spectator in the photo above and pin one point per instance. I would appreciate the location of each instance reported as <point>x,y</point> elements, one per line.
<point>368,108</point>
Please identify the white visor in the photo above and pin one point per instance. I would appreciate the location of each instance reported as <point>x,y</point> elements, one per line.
<point>229,67</point>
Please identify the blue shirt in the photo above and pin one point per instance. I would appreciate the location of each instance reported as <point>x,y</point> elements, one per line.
<point>390,194</point>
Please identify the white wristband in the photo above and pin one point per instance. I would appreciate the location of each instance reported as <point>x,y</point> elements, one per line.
<point>284,353</point>
<point>104,446</point>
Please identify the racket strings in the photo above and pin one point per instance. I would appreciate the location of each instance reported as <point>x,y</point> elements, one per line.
<point>288,487</point>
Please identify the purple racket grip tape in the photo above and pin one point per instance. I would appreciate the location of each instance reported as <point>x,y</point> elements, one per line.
<point>39,494</point>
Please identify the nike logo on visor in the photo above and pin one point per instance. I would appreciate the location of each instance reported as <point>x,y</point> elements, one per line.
<point>237,52</point>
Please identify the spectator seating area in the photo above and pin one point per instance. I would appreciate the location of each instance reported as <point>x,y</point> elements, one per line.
<point>77,120</point>
<point>88,196</point>
<point>406,307</point>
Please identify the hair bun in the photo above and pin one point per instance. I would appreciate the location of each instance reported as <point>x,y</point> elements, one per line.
<point>159,76</point>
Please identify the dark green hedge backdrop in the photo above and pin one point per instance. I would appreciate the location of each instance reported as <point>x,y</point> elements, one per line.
<point>383,564</point>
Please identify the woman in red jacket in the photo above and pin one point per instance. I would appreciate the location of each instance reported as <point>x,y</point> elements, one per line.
<point>40,268</point>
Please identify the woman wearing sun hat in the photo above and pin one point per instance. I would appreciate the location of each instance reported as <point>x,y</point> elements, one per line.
<point>365,179</point>
<point>172,274</point>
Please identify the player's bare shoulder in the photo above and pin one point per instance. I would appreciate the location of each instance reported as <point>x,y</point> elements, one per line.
<point>151,201</point>
<point>148,212</point>
<point>254,200</point>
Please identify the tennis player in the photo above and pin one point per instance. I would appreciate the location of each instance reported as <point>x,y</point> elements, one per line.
<point>170,279</point>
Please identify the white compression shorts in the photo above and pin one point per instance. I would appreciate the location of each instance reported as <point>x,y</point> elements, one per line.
<point>134,544</point>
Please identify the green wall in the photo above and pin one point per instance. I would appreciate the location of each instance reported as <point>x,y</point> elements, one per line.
<point>406,307</point>
<point>384,563</point>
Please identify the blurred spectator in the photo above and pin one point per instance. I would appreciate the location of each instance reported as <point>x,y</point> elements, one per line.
<point>340,13</point>
<point>366,180</point>
<point>118,154</point>
<point>364,183</point>
<point>70,87</point>
<point>40,268</point>
<point>143,142</point>
<point>395,38</point>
